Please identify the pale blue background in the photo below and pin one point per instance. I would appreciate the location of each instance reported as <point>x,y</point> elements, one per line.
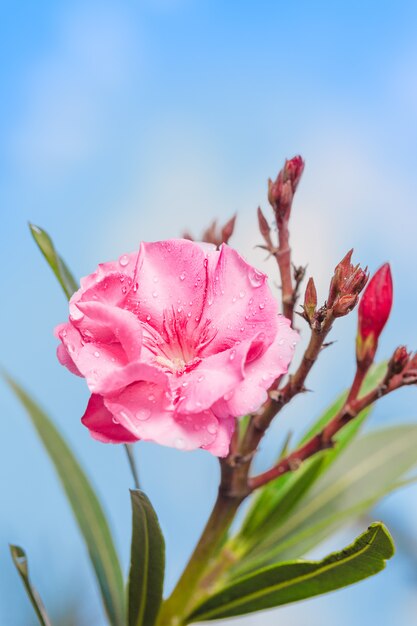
<point>122,121</point>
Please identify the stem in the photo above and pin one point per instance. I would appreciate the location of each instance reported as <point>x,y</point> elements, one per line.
<point>132,464</point>
<point>283,257</point>
<point>175,609</point>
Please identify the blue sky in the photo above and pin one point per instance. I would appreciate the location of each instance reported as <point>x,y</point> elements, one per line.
<point>123,121</point>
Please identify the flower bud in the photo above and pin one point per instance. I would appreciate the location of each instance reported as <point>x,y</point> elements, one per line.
<point>310,300</point>
<point>264,227</point>
<point>374,310</point>
<point>398,361</point>
<point>345,304</point>
<point>227,230</point>
<point>281,191</point>
<point>347,283</point>
<point>215,235</point>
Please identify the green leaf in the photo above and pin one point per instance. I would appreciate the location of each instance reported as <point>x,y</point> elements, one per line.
<point>86,507</point>
<point>361,476</point>
<point>275,501</point>
<point>298,580</point>
<point>56,263</point>
<point>147,563</point>
<point>21,563</point>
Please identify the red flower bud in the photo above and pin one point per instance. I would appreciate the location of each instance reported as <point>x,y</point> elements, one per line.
<point>374,310</point>
<point>281,192</point>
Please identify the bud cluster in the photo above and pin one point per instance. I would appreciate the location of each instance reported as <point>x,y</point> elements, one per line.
<point>402,364</point>
<point>346,285</point>
<point>282,190</point>
<point>214,234</point>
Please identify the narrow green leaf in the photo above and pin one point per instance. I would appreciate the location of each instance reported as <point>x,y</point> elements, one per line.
<point>298,580</point>
<point>85,505</point>
<point>56,263</point>
<point>147,563</point>
<point>21,563</point>
<point>269,504</point>
<point>361,476</point>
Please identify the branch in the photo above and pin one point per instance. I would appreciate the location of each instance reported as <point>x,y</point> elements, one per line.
<point>324,439</point>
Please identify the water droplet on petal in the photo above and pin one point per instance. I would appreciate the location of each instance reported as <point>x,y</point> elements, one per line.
<point>256,278</point>
<point>281,342</point>
<point>212,429</point>
<point>124,260</point>
<point>148,317</point>
<point>200,378</point>
<point>124,289</point>
<point>185,384</point>
<point>241,294</point>
<point>115,421</point>
<point>227,396</point>
<point>234,299</point>
<point>143,415</point>
<point>154,294</point>
<point>97,354</point>
<point>151,397</point>
<point>232,354</point>
<point>261,305</point>
<point>182,276</point>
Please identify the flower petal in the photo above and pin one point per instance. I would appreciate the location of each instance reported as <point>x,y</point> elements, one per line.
<point>142,408</point>
<point>100,422</point>
<point>238,301</point>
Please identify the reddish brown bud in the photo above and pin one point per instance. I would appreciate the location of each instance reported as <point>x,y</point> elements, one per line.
<point>374,310</point>
<point>264,227</point>
<point>344,304</point>
<point>227,230</point>
<point>347,283</point>
<point>214,235</point>
<point>341,272</point>
<point>310,300</point>
<point>398,361</point>
<point>282,190</point>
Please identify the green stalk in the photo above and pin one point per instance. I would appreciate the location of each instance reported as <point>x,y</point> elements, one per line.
<point>178,605</point>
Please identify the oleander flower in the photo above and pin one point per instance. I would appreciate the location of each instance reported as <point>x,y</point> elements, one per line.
<point>175,342</point>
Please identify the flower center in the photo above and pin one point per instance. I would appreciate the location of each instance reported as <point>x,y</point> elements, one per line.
<point>176,365</point>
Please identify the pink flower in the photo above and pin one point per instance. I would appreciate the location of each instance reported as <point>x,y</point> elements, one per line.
<point>175,341</point>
